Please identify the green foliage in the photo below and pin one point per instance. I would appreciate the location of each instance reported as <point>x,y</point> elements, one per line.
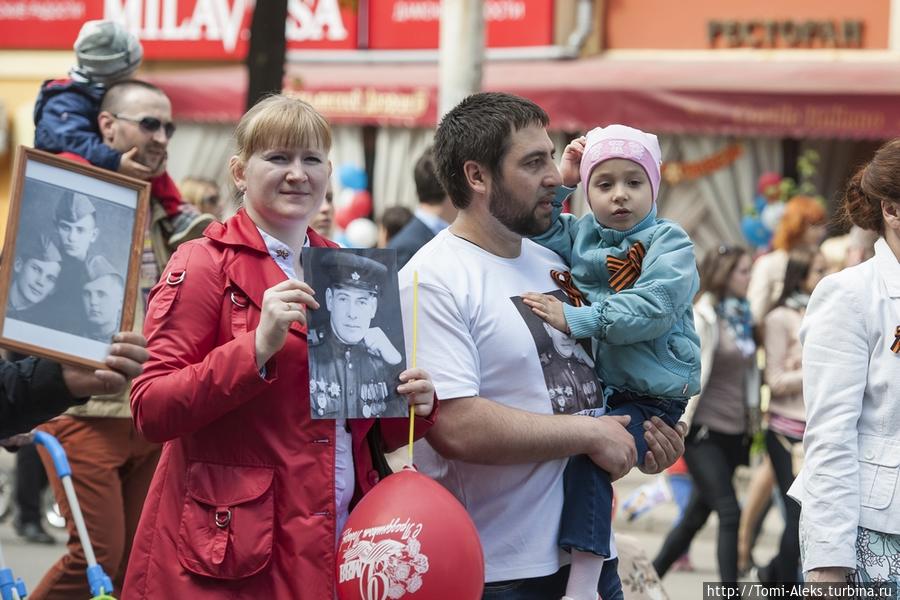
<point>807,167</point>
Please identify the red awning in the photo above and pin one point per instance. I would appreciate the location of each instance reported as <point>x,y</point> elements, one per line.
<point>857,100</point>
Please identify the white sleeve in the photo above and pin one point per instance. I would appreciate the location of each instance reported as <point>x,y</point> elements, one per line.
<point>835,364</point>
<point>444,345</point>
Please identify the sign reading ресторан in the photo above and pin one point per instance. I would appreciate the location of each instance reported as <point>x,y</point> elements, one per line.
<point>220,29</point>
<point>785,34</point>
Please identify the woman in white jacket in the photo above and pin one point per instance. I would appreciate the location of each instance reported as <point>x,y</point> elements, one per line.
<point>848,487</point>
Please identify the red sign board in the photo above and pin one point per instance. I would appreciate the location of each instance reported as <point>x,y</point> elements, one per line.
<point>409,24</point>
<point>175,29</point>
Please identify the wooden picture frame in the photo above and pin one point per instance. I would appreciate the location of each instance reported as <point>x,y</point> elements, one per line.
<point>71,258</point>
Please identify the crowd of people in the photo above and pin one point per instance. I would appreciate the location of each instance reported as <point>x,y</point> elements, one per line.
<point>554,355</point>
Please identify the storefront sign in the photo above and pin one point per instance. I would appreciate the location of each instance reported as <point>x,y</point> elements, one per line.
<point>370,105</point>
<point>701,24</point>
<point>785,34</point>
<point>175,29</point>
<point>408,24</point>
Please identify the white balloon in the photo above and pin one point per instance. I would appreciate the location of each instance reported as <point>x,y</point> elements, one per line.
<point>343,198</point>
<point>361,233</point>
<point>771,215</point>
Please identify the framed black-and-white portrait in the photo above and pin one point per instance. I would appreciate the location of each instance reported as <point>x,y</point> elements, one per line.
<point>356,349</point>
<point>71,258</point>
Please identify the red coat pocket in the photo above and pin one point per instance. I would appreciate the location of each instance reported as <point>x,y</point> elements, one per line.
<point>227,522</point>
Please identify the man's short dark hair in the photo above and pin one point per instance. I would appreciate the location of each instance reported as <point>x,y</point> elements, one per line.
<point>394,218</point>
<point>428,186</point>
<point>478,129</point>
<point>113,98</point>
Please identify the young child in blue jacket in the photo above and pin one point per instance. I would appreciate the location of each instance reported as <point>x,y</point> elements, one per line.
<point>66,110</point>
<point>638,276</point>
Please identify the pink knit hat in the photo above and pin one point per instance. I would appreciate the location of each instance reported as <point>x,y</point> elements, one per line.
<point>621,141</point>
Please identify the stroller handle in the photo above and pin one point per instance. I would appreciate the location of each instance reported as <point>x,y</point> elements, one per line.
<point>60,462</point>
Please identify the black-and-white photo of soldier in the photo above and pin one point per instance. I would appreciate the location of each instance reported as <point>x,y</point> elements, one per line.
<point>568,368</point>
<point>569,373</point>
<point>354,365</point>
<point>75,227</point>
<point>102,296</point>
<point>35,271</point>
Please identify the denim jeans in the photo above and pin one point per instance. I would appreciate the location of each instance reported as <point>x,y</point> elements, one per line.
<point>587,509</point>
<point>552,587</point>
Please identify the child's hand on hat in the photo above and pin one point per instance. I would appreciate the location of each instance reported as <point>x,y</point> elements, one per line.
<point>549,308</point>
<point>570,164</point>
<point>419,391</point>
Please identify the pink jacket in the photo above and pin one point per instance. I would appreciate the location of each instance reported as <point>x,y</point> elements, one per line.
<point>242,503</point>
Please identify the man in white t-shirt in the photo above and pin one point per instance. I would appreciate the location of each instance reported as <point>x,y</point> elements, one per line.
<point>498,447</point>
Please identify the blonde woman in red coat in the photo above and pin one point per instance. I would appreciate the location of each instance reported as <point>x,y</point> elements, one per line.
<point>250,493</point>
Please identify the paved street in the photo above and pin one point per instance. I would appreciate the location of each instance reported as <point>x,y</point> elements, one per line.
<point>30,561</point>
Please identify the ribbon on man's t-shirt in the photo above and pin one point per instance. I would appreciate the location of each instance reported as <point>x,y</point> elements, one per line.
<point>564,280</point>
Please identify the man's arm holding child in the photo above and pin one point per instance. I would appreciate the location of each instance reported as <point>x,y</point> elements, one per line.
<point>478,430</point>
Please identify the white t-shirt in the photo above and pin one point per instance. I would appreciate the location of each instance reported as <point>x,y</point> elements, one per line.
<point>473,341</point>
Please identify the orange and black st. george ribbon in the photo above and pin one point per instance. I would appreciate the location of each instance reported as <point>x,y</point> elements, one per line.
<point>895,347</point>
<point>564,280</point>
<point>624,271</point>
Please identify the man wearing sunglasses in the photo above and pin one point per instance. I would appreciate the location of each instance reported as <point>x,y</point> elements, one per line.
<point>65,118</point>
<point>111,464</point>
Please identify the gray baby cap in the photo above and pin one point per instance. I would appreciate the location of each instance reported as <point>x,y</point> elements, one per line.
<point>106,51</point>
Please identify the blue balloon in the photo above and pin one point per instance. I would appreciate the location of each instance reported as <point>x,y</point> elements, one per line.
<point>759,203</point>
<point>352,177</point>
<point>755,232</point>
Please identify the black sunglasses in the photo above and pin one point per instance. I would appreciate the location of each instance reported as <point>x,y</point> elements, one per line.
<point>150,124</point>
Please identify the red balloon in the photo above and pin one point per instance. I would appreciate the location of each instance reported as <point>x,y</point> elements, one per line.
<point>343,216</point>
<point>361,204</point>
<point>409,538</point>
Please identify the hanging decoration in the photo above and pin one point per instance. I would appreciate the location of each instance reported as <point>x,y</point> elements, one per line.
<point>674,172</point>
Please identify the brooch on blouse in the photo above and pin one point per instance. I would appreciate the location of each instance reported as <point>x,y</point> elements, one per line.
<point>895,347</point>
<point>282,253</point>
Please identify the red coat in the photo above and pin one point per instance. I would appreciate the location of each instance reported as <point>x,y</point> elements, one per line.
<point>242,504</point>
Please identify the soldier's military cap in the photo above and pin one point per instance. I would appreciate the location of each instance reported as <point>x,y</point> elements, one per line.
<point>349,269</point>
<point>97,266</point>
<point>74,209</point>
<point>40,247</point>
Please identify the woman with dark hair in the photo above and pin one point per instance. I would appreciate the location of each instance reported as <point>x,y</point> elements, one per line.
<point>787,417</point>
<point>848,487</point>
<point>718,440</point>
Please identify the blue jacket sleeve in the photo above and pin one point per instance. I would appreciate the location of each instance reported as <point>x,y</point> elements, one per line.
<point>66,126</point>
<point>647,310</point>
<point>561,235</point>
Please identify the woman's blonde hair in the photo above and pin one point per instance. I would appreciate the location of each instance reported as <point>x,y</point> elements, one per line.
<point>280,121</point>
<point>800,213</point>
<point>194,188</point>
